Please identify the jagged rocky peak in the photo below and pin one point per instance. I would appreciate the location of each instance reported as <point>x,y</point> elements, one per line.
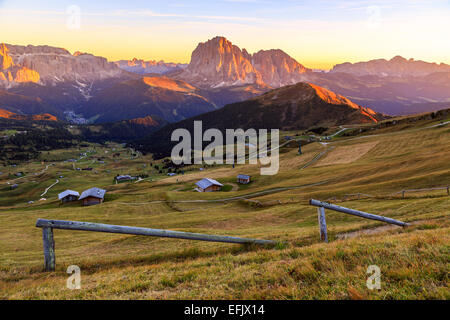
<point>219,63</point>
<point>277,68</point>
<point>13,73</point>
<point>5,59</point>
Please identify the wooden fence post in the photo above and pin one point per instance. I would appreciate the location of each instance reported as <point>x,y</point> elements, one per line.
<point>49,249</point>
<point>403,194</point>
<point>322,224</point>
<point>448,190</point>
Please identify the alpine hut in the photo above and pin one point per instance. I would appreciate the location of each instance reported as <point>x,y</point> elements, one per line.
<point>243,178</point>
<point>68,196</point>
<point>92,196</point>
<point>208,185</point>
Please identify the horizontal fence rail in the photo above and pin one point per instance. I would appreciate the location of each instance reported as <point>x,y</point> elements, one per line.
<point>49,244</point>
<point>325,205</point>
<point>361,214</point>
<point>403,192</point>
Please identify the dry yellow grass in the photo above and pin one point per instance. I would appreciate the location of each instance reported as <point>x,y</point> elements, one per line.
<point>414,261</point>
<point>346,154</point>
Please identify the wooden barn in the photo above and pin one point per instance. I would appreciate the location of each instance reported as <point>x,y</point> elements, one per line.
<point>92,196</point>
<point>243,179</point>
<point>208,185</point>
<point>68,196</point>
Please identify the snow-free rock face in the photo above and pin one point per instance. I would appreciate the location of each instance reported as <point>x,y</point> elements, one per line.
<point>152,66</point>
<point>46,65</point>
<point>11,72</point>
<point>396,67</point>
<point>37,117</point>
<point>219,63</point>
<point>277,68</point>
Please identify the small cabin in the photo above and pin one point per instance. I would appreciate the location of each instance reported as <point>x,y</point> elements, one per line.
<point>92,196</point>
<point>243,179</point>
<point>68,196</point>
<point>208,185</point>
<point>126,177</point>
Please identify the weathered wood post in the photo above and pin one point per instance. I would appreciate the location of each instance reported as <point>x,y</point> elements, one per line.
<point>49,248</point>
<point>322,224</point>
<point>448,190</point>
<point>403,194</point>
<point>362,214</point>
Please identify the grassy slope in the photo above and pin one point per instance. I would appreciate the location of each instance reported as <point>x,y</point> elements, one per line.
<point>414,262</point>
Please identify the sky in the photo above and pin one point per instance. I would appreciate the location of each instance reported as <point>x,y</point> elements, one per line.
<point>317,33</point>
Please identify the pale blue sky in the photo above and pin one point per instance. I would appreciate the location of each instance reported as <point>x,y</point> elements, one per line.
<point>317,33</point>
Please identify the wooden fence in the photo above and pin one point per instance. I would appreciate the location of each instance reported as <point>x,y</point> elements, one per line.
<point>403,192</point>
<point>325,205</point>
<point>359,196</point>
<point>49,242</point>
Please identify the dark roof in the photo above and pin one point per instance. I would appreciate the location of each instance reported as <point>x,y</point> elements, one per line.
<point>207,182</point>
<point>124,177</point>
<point>66,193</point>
<point>243,176</point>
<point>93,192</point>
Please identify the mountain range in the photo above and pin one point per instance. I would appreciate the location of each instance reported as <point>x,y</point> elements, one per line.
<point>396,67</point>
<point>140,66</point>
<point>44,79</point>
<point>295,107</point>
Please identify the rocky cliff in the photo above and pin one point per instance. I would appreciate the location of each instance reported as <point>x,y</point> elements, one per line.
<point>49,65</point>
<point>219,63</point>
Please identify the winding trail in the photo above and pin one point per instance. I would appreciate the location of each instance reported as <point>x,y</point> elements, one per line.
<point>37,173</point>
<point>317,157</point>
<point>46,190</point>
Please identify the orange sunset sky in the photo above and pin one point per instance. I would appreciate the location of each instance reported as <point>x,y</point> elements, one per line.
<point>318,34</point>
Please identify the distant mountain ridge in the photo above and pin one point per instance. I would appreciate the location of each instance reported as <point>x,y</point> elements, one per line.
<point>140,66</point>
<point>396,67</point>
<point>47,65</point>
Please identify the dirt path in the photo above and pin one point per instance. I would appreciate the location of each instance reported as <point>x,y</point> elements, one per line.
<point>37,173</point>
<point>317,157</point>
<point>46,190</point>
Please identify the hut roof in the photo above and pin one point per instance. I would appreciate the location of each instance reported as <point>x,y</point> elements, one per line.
<point>66,193</point>
<point>93,192</point>
<point>207,182</point>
